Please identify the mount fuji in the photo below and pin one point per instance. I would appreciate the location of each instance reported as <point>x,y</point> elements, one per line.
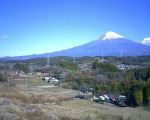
<point>109,44</point>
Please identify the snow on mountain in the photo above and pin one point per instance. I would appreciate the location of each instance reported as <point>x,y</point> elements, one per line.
<point>111,35</point>
<point>146,41</point>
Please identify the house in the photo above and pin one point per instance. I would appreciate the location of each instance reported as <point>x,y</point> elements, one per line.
<point>50,80</point>
<point>125,67</point>
<point>47,79</point>
<point>102,98</point>
<point>121,98</point>
<point>106,97</point>
<point>110,98</point>
<point>53,80</point>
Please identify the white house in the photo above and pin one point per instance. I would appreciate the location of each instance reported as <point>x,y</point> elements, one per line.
<point>51,80</point>
<point>121,98</point>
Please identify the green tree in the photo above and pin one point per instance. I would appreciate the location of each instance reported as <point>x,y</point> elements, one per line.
<point>95,64</point>
<point>22,67</point>
<point>107,67</point>
<point>69,65</point>
<point>148,91</point>
<point>2,77</point>
<point>148,94</point>
<point>114,86</point>
<point>97,90</point>
<point>129,86</point>
<point>80,80</point>
<point>138,95</point>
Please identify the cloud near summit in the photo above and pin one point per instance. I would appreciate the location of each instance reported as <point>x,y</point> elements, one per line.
<point>146,41</point>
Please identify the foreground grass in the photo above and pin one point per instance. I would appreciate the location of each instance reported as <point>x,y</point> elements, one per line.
<point>18,104</point>
<point>147,108</point>
<point>80,110</point>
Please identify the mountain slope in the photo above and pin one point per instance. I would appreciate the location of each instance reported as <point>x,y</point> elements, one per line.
<point>110,44</point>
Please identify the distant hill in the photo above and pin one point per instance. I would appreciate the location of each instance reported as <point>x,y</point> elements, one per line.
<point>109,44</point>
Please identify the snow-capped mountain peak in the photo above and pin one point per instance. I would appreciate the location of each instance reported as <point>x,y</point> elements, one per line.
<point>146,41</point>
<point>111,35</point>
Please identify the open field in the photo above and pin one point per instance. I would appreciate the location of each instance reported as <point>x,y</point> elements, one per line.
<point>23,102</point>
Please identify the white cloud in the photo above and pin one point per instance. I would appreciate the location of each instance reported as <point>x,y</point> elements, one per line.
<point>146,41</point>
<point>5,36</point>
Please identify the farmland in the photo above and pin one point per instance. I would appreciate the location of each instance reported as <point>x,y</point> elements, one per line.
<point>31,102</point>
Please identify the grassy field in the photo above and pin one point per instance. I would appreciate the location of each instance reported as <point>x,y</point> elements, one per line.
<point>31,103</point>
<point>30,81</point>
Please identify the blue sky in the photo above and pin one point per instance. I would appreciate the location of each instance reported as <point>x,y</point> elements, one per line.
<point>41,26</point>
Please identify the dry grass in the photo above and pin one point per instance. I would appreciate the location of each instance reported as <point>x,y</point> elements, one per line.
<point>31,112</point>
<point>31,81</point>
<point>16,94</point>
<point>15,105</point>
<point>80,110</point>
<point>34,104</point>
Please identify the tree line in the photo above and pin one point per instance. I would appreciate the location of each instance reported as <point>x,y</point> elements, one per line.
<point>105,78</point>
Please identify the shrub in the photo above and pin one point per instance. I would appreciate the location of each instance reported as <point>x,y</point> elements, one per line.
<point>122,104</point>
